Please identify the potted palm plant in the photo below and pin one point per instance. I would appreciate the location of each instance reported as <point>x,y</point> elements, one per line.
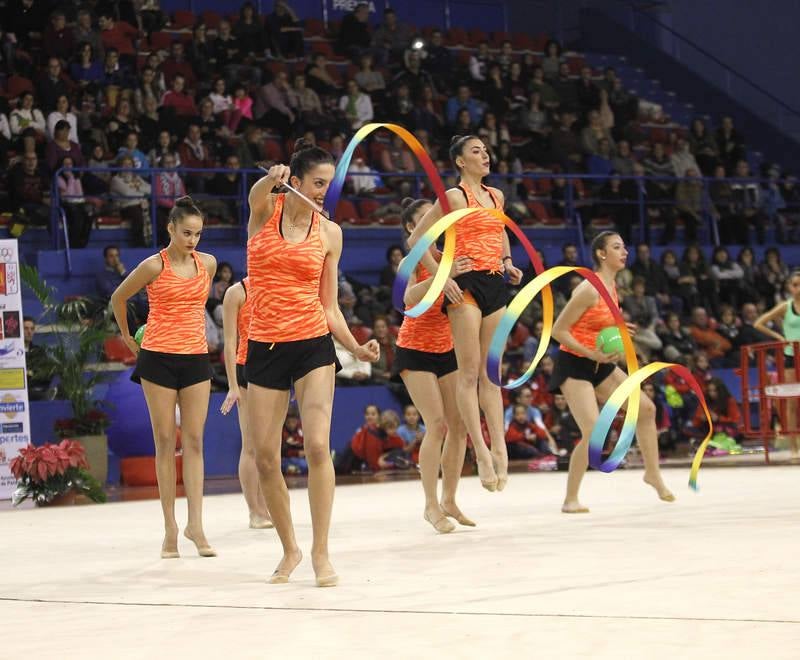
<point>80,330</point>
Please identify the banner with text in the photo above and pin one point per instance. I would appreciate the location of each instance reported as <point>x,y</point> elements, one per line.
<point>15,422</point>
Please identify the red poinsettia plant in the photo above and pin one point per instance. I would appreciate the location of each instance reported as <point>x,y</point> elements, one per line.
<point>45,472</point>
<point>93,422</point>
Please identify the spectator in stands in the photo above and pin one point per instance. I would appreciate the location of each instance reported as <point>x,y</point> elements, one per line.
<point>200,56</point>
<point>115,77</point>
<point>566,89</point>
<point>552,60</point>
<point>747,203</point>
<point>731,229</point>
<point>120,124</point>
<point>600,162</point>
<point>773,274</point>
<point>356,106</point>
<point>643,311</point>
<point>382,369</point>
<point>523,437</point>
<point>494,91</point>
<point>493,133</point>
<point>697,287</point>
<point>252,150</point>
<point>677,341</point>
<point>683,160</point>
<point>749,281</point>
<point>176,64</point>
<point>413,75</point>
<point>622,162</point>
<point>132,194</point>
<point>307,105</point>
<point>412,430</point>
<point>249,32</point>
<point>658,164</point>
<point>730,144</point>
<point>131,148</point>
<point>367,444</point>
<point>394,255</point>
<point>728,327</point>
<point>28,191</point>
<point>58,39</point>
<point>96,182</point>
<point>84,33</point>
<point>688,207</point>
<point>565,145</point>
<point>354,38</point>
<point>38,365</point>
<point>86,69</point>
<point>274,105</point>
<point>402,104</point>
<point>5,140</point>
<point>227,188</point>
<point>463,101</point>
<point>108,279</point>
<point>532,416</point>
<point>319,78</point>
<point>244,104</point>
<point>176,98</point>
<point>703,146</point>
<point>439,62</point>
<point>728,275</point>
<point>169,187</point>
<point>223,280</point>
<point>676,282</point>
<point>51,85</point>
<point>163,147</point>
<point>223,106</point>
<point>76,210</point>
<point>587,93</point>
<point>391,38</point>
<point>194,153</point>
<point>562,425</point>
<point>62,112</point>
<point>708,339</point>
<point>26,121</point>
<point>653,274</point>
<point>151,18</point>
<point>293,457</point>
<point>726,416</point>
<point>479,63</point>
<point>226,50</point>
<point>212,130</point>
<point>538,85</point>
<point>427,115</point>
<point>368,79</point>
<point>397,158</point>
<point>748,334</point>
<point>61,146</point>
<point>118,35</point>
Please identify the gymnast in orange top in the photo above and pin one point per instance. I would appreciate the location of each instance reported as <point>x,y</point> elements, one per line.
<point>426,362</point>
<point>292,263</point>
<point>475,301</point>
<point>586,375</point>
<point>173,365</point>
<point>236,313</point>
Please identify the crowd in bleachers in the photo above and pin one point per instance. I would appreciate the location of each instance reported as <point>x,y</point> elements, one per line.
<point>126,86</point>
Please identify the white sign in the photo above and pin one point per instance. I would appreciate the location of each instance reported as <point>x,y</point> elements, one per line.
<point>15,422</point>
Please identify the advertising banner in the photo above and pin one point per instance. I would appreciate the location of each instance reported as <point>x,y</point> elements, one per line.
<point>15,422</point>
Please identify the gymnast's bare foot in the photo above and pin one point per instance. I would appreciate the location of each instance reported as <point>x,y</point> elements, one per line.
<point>199,539</point>
<point>324,571</point>
<point>169,548</point>
<point>260,522</point>
<point>573,506</point>
<point>500,462</point>
<point>451,510</point>
<point>657,482</point>
<point>286,566</point>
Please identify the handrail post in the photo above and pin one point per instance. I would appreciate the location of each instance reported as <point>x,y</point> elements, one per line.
<point>153,215</point>
<point>640,205</point>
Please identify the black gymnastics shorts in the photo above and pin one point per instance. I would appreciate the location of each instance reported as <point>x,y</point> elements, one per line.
<point>568,365</point>
<point>278,366</point>
<point>241,376</point>
<point>172,370</point>
<point>487,288</point>
<point>439,364</point>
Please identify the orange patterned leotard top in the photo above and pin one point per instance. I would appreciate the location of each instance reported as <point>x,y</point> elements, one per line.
<point>480,236</point>
<point>429,332</point>
<point>176,322</point>
<point>284,282</point>
<point>591,322</point>
<point>243,323</point>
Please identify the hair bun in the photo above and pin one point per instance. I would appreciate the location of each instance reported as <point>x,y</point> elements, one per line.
<point>455,139</point>
<point>302,144</point>
<point>407,201</point>
<point>185,202</point>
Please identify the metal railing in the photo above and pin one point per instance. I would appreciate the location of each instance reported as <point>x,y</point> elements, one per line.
<point>529,199</point>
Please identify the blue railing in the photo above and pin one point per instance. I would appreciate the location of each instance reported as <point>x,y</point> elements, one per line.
<point>581,203</point>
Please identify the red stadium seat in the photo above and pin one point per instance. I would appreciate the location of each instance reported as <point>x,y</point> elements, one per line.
<point>116,350</point>
<point>323,47</point>
<point>346,211</point>
<point>476,35</point>
<point>456,37</point>
<point>160,40</point>
<point>211,19</point>
<point>274,149</point>
<point>108,221</point>
<point>390,221</point>
<point>183,19</point>
<point>368,207</point>
<point>359,222</point>
<point>313,27</point>
<point>538,211</point>
<point>361,333</point>
<point>17,85</point>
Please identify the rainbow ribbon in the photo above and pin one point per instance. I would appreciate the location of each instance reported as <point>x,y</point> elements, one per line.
<point>627,394</point>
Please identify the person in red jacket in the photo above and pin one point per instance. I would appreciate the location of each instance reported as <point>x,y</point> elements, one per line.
<point>522,436</point>
<point>371,442</point>
<point>725,412</point>
<point>117,34</point>
<point>178,99</point>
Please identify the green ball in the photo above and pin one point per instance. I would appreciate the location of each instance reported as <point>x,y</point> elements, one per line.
<point>610,341</point>
<point>139,336</point>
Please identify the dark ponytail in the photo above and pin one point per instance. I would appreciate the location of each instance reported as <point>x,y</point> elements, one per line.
<point>306,157</point>
<point>457,144</point>
<point>184,207</point>
<point>410,207</point>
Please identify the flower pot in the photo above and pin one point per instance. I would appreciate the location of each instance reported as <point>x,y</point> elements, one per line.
<point>65,499</point>
<point>96,448</point>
